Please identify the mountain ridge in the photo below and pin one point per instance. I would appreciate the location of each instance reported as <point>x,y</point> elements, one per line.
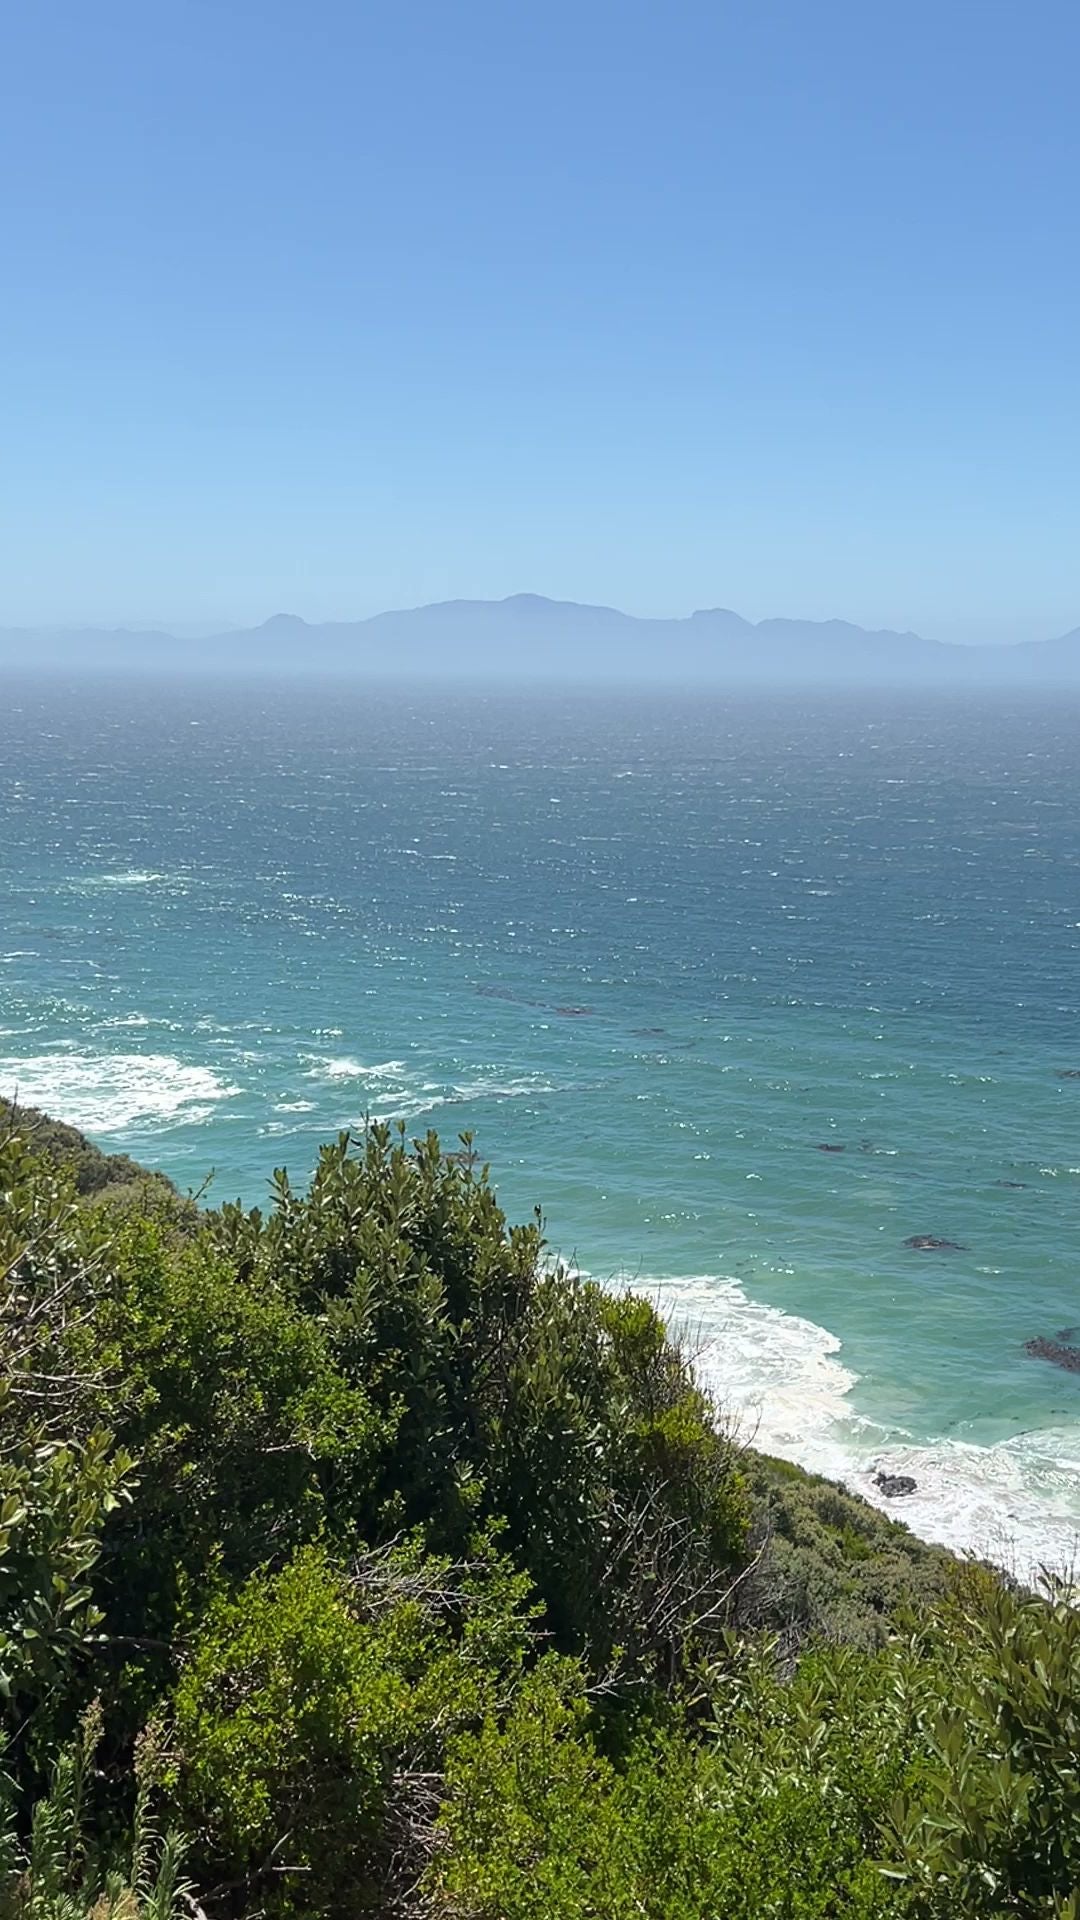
<point>529,637</point>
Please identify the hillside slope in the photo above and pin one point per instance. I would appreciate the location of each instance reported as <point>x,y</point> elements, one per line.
<point>356,1560</point>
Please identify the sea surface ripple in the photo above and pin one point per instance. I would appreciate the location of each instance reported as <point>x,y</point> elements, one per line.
<point>743,993</point>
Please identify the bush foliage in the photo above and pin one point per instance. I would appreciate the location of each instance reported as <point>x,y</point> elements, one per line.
<point>356,1559</point>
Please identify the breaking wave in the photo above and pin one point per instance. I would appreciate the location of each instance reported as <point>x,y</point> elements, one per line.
<point>783,1383</point>
<point>110,1093</point>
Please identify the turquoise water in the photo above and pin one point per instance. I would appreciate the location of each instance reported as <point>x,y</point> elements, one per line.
<point>657,954</point>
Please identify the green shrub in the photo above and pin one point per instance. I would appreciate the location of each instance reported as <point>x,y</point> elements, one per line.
<point>447,1582</point>
<point>516,1392</point>
<point>994,1827</point>
<point>250,1439</point>
<point>61,1473</point>
<point>833,1567</point>
<point>774,1816</point>
<point>61,1871</point>
<point>312,1692</point>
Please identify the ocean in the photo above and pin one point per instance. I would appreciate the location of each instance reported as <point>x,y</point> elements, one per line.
<point>742,992</point>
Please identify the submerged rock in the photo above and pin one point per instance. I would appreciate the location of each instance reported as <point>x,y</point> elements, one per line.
<point>895,1485</point>
<point>1060,1353</point>
<point>927,1243</point>
<point>829,1146</point>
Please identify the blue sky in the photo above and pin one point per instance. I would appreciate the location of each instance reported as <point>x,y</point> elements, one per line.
<point>333,307</point>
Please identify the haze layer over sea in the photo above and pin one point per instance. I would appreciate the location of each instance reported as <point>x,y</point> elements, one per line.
<point>658,954</point>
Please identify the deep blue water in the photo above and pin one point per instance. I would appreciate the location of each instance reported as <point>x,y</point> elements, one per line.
<point>657,954</point>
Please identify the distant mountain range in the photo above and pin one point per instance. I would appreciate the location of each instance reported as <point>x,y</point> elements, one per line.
<point>528,638</point>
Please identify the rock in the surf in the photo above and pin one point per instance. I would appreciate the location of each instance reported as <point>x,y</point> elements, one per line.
<point>1060,1353</point>
<point>895,1485</point>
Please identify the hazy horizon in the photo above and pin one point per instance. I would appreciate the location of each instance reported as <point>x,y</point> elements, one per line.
<point>970,632</point>
<point>529,640</point>
<point>349,310</point>
<point>964,630</point>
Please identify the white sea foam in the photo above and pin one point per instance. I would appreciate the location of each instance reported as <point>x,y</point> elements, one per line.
<point>782,1381</point>
<point>412,1101</point>
<point>139,1020</point>
<point>134,877</point>
<point>349,1069</point>
<point>494,1088</point>
<point>108,1093</point>
<point>391,1090</point>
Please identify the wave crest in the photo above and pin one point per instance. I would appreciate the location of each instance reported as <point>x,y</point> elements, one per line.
<point>111,1093</point>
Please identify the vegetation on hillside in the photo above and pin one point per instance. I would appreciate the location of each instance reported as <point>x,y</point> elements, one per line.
<point>356,1560</point>
<point>92,1172</point>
